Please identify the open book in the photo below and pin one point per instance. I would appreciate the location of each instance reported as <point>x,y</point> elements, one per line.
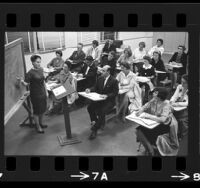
<point>150,124</point>
<point>92,96</point>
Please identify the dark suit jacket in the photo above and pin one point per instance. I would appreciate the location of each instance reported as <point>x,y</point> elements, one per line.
<point>77,58</point>
<point>111,88</point>
<point>183,61</point>
<point>111,63</point>
<point>91,75</point>
<point>108,48</point>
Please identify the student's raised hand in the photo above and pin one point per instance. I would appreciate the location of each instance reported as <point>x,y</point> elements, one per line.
<point>87,90</point>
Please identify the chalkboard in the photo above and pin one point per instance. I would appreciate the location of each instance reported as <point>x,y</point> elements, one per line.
<point>14,67</point>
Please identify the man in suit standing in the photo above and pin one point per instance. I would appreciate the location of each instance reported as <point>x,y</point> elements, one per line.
<point>75,61</point>
<point>107,87</point>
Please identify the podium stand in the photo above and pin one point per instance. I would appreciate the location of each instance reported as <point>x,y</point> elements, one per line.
<point>67,139</point>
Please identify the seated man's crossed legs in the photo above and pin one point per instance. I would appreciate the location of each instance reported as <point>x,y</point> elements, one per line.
<point>97,112</point>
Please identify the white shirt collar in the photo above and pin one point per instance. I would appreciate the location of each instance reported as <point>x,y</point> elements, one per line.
<point>149,67</point>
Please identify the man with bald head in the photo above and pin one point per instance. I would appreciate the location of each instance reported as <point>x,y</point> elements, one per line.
<point>107,87</point>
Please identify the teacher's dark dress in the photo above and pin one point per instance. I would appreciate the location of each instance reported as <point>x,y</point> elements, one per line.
<point>35,78</point>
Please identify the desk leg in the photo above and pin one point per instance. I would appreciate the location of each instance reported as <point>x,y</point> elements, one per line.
<point>30,117</point>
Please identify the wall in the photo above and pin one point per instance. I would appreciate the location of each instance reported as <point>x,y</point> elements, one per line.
<point>133,38</point>
<point>171,40</point>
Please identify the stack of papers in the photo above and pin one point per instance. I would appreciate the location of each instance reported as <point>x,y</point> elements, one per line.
<point>150,124</point>
<point>92,96</point>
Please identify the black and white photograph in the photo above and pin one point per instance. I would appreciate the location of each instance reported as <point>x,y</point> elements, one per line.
<point>96,93</point>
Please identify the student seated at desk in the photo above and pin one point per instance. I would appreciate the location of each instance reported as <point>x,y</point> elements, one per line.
<point>95,52</point>
<point>126,57</point>
<point>111,61</point>
<point>164,136</point>
<point>147,70</point>
<point>127,82</point>
<point>89,71</point>
<point>57,63</point>
<point>75,61</point>
<point>138,55</point>
<point>180,99</point>
<point>107,86</point>
<point>158,64</point>
<point>64,77</point>
<point>180,58</point>
<point>108,47</point>
<point>157,47</point>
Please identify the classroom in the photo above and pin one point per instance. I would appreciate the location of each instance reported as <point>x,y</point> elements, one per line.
<point>96,93</point>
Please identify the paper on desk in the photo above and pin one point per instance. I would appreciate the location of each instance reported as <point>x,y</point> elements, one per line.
<point>142,79</point>
<point>141,121</point>
<point>174,65</point>
<point>119,50</point>
<point>92,96</point>
<point>178,108</point>
<point>48,70</point>
<point>157,71</point>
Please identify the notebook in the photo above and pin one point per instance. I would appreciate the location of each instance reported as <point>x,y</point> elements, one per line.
<point>141,121</point>
<point>92,96</point>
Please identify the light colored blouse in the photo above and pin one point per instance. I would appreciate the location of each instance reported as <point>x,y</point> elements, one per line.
<point>123,58</point>
<point>156,48</point>
<point>180,97</point>
<point>163,111</point>
<point>94,52</point>
<point>67,77</point>
<point>126,81</point>
<point>167,143</point>
<point>137,54</point>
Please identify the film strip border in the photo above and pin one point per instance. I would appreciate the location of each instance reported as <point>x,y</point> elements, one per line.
<point>106,169</point>
<point>98,17</point>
